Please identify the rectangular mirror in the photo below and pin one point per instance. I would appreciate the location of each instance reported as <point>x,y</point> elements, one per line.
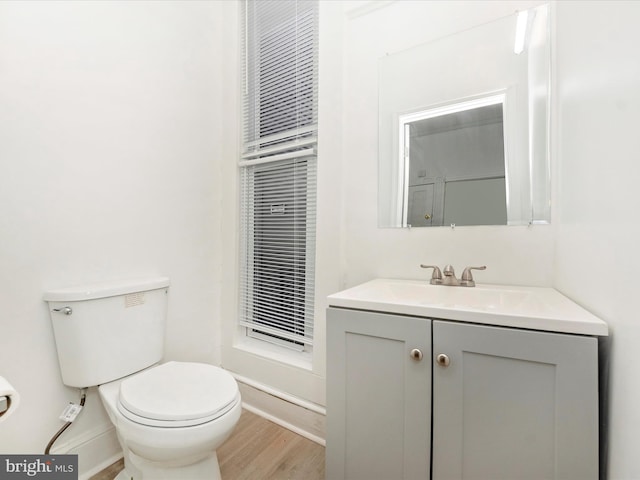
<point>463,127</point>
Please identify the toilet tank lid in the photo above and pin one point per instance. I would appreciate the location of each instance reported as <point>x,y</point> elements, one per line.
<point>105,289</point>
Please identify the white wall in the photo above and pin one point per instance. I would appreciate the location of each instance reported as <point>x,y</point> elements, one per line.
<point>109,143</point>
<point>597,252</point>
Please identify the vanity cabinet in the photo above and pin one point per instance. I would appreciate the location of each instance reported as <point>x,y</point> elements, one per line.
<point>495,402</point>
<point>378,396</point>
<point>514,404</point>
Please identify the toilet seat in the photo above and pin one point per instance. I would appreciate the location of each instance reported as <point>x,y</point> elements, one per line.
<point>178,394</point>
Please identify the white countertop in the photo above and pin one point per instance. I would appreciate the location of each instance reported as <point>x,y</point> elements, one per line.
<point>534,308</point>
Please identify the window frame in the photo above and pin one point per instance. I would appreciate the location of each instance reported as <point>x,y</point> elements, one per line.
<point>271,149</point>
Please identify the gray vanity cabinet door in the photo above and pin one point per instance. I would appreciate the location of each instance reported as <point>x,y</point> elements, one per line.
<point>378,396</point>
<point>513,404</point>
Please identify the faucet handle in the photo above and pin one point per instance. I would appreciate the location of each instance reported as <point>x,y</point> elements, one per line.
<point>436,276</point>
<point>467,278</point>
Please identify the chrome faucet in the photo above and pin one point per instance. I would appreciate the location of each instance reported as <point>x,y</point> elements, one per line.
<point>449,279</point>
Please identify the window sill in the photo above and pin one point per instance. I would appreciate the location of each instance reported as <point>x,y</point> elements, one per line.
<point>276,353</point>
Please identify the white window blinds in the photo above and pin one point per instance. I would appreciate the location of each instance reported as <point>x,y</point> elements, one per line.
<point>278,170</point>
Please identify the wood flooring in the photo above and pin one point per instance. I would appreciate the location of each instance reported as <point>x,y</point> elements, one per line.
<point>260,450</point>
<point>110,472</point>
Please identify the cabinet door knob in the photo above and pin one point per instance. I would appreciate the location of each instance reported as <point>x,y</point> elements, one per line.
<point>416,354</point>
<point>443,360</point>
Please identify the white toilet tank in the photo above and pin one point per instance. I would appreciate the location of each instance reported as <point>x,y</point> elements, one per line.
<point>109,330</point>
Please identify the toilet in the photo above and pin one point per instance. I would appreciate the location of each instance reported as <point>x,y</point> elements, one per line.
<point>170,418</point>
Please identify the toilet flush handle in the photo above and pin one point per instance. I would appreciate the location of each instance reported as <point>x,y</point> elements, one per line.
<point>65,310</point>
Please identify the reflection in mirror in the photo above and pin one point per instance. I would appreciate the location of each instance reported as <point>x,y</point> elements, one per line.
<point>455,157</point>
<point>463,127</point>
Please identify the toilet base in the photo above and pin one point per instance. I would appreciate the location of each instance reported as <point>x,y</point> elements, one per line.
<point>137,468</point>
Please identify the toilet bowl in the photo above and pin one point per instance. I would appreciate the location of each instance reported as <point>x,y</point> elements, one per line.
<point>171,418</point>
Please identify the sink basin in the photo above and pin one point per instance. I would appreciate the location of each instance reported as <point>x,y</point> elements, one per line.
<point>513,306</point>
<point>480,297</point>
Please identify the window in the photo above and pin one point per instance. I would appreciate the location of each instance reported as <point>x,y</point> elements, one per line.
<point>278,171</point>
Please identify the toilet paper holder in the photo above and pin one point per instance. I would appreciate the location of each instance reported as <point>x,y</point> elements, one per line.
<point>9,400</point>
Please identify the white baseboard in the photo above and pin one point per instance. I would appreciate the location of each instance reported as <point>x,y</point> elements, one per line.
<point>98,468</point>
<point>96,449</point>
<point>299,416</point>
